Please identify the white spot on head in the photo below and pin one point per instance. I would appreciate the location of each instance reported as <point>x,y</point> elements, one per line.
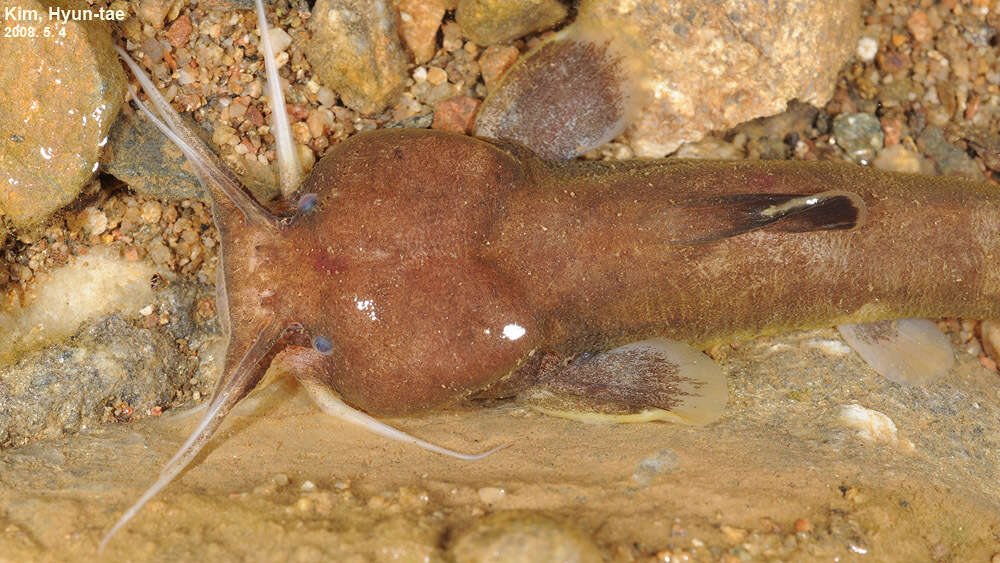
<point>513,331</point>
<point>367,306</point>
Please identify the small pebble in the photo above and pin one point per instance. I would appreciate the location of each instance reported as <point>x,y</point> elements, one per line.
<point>803,526</point>
<point>491,495</point>
<point>734,535</point>
<point>867,49</point>
<point>307,486</point>
<point>95,221</point>
<point>919,25</point>
<point>455,114</point>
<point>436,75</point>
<point>859,134</point>
<point>280,479</point>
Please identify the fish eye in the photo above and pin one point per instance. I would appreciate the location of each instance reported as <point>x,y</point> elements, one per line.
<point>322,345</point>
<point>307,202</point>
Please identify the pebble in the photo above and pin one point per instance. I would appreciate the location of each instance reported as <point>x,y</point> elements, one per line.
<point>487,22</point>
<point>360,57</point>
<point>455,114</point>
<point>802,526</point>
<point>522,537</point>
<point>919,25</point>
<point>179,31</point>
<point>95,221</point>
<point>494,61</point>
<point>151,211</point>
<point>734,535</point>
<point>990,331</point>
<point>419,21</point>
<point>491,495</point>
<point>436,75</point>
<point>859,134</point>
<point>872,426</point>
<point>949,159</point>
<point>898,158</point>
<point>307,486</point>
<point>280,40</point>
<point>867,49</point>
<point>152,12</point>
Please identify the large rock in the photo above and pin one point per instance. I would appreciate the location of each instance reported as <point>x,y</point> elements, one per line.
<point>60,96</point>
<point>355,50</point>
<point>713,65</point>
<point>113,363</point>
<point>495,21</point>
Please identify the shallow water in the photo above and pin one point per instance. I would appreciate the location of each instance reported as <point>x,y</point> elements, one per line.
<point>779,456</point>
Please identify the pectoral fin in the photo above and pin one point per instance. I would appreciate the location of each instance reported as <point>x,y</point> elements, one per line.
<point>654,379</point>
<point>910,351</point>
<point>575,91</point>
<point>715,218</point>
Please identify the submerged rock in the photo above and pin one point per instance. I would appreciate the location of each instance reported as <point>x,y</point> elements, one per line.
<point>518,536</point>
<point>355,50</point>
<point>123,363</point>
<point>714,65</point>
<point>419,21</point>
<point>145,159</point>
<point>60,95</point>
<point>495,21</point>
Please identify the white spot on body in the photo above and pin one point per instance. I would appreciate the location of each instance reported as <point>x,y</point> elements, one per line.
<point>366,306</point>
<point>513,331</point>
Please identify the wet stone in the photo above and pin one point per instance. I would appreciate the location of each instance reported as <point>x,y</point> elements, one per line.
<point>899,159</point>
<point>107,365</point>
<point>419,21</point>
<point>487,22</point>
<point>859,134</point>
<point>145,159</point>
<point>494,61</point>
<point>455,114</point>
<point>714,65</point>
<point>60,98</point>
<point>355,50</point>
<point>950,160</point>
<point>522,537</point>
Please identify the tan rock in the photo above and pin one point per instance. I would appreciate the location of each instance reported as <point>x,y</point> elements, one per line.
<point>60,97</point>
<point>355,50</point>
<point>419,21</point>
<point>486,22</point>
<point>520,536</point>
<point>495,60</point>
<point>455,114</point>
<point>714,65</point>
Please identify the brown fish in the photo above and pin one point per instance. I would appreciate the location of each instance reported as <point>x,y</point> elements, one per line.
<point>422,268</point>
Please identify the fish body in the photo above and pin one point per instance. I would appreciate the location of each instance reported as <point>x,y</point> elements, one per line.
<point>437,264</point>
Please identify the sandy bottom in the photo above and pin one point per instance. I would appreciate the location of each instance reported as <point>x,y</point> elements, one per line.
<point>779,477</point>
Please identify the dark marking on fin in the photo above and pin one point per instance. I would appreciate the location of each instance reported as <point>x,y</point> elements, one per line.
<point>632,380</point>
<point>716,218</point>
